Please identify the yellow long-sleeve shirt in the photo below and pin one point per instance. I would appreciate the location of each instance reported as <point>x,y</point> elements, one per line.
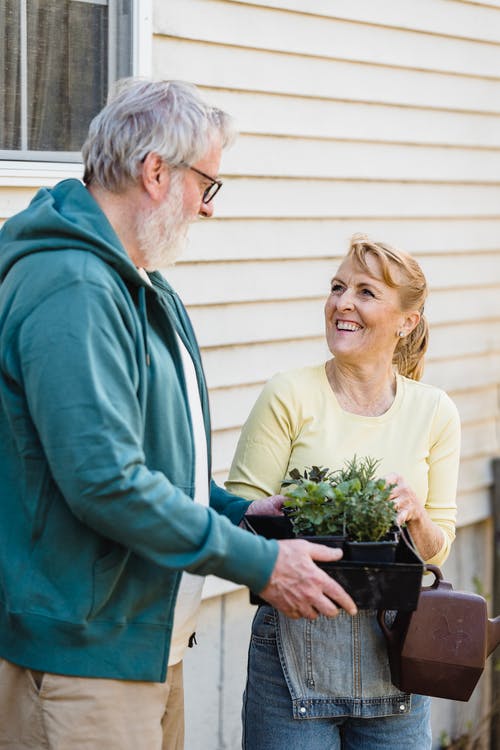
<point>297,422</point>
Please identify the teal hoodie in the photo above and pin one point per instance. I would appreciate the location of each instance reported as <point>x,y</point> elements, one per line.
<point>96,452</point>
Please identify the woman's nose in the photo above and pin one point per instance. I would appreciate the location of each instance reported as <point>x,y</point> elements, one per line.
<point>345,301</point>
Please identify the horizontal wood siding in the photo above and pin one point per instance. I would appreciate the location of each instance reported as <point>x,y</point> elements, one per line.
<point>375,117</point>
<point>379,117</point>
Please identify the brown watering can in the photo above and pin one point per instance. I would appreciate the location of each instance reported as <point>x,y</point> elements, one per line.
<point>440,649</point>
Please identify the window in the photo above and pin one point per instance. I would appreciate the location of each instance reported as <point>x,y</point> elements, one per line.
<point>57,59</point>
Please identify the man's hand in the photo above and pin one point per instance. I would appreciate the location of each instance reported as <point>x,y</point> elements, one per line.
<point>268,506</point>
<point>299,588</point>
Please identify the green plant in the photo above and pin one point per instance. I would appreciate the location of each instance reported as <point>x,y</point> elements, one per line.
<point>369,514</point>
<point>349,501</point>
<point>314,507</point>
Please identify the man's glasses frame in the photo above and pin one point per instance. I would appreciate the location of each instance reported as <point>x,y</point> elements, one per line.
<point>211,191</point>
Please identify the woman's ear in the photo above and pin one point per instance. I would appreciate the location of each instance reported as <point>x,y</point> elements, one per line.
<point>155,176</point>
<point>411,321</point>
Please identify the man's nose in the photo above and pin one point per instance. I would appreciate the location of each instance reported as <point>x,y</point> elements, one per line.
<point>206,209</point>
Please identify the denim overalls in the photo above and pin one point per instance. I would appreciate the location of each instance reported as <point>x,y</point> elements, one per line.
<point>335,672</point>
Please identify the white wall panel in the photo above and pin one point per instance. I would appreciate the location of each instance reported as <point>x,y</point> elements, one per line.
<point>13,200</point>
<point>457,305</point>
<point>476,405</point>
<point>212,283</point>
<point>271,113</point>
<point>322,158</point>
<point>266,29</point>
<point>477,439</point>
<point>264,321</point>
<point>259,238</point>
<point>473,507</point>
<point>465,374</point>
<point>231,406</point>
<point>376,117</point>
<point>453,271</point>
<point>248,364</point>
<point>252,280</point>
<point>472,339</point>
<point>316,77</point>
<point>286,198</point>
<point>473,20</point>
<point>474,474</point>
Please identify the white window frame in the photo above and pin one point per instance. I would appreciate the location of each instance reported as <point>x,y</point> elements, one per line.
<point>25,173</point>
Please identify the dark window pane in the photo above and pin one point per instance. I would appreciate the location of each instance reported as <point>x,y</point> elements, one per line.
<point>10,75</point>
<point>87,84</point>
<point>56,78</point>
<point>67,71</point>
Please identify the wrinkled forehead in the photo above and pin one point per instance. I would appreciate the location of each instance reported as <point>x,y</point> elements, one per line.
<point>369,266</point>
<point>374,265</point>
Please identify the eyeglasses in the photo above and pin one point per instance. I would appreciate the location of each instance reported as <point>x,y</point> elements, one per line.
<point>211,191</point>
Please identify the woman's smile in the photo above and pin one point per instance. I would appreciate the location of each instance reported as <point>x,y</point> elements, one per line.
<point>348,325</point>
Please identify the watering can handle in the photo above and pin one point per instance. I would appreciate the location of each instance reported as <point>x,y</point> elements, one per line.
<point>437,572</point>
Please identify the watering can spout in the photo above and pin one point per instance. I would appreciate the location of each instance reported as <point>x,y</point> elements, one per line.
<point>493,635</point>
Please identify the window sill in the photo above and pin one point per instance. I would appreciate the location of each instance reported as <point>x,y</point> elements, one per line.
<point>34,174</point>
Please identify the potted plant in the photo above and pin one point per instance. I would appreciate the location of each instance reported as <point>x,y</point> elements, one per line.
<point>345,508</point>
<point>350,502</point>
<point>315,507</point>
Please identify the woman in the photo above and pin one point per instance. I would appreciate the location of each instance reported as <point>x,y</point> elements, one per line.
<point>325,683</point>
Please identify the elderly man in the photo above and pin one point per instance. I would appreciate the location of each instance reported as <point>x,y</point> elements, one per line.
<point>108,519</point>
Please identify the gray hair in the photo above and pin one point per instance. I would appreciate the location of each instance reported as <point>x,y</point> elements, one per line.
<point>167,117</point>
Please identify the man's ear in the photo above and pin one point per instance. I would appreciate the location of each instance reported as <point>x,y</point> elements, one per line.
<point>155,176</point>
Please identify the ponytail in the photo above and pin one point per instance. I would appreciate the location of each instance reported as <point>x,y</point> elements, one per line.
<point>410,351</point>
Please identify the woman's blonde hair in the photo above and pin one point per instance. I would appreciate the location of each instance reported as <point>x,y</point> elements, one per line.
<point>402,272</point>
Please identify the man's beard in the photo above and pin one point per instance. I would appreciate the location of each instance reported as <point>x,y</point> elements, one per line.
<point>162,232</point>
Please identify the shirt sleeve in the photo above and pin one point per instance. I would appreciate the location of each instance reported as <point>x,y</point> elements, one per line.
<point>263,452</point>
<point>444,456</point>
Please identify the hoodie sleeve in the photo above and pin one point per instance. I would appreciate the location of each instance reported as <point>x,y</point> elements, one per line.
<point>78,364</point>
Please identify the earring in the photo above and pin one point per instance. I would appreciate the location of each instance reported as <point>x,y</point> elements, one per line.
<point>401,334</point>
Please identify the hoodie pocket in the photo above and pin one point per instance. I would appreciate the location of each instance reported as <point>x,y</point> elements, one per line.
<point>39,490</point>
<point>108,571</point>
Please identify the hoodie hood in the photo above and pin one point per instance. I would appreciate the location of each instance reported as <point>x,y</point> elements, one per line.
<point>61,218</point>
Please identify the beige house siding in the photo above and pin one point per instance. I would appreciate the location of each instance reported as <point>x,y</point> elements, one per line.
<point>381,117</point>
<point>354,116</point>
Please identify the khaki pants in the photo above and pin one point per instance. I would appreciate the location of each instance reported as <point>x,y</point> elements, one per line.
<point>42,711</point>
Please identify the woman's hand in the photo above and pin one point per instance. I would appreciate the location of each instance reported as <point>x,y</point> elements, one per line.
<point>268,506</point>
<point>405,501</point>
<point>426,535</point>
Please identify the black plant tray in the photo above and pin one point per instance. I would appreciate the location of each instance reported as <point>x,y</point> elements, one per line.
<point>372,585</point>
